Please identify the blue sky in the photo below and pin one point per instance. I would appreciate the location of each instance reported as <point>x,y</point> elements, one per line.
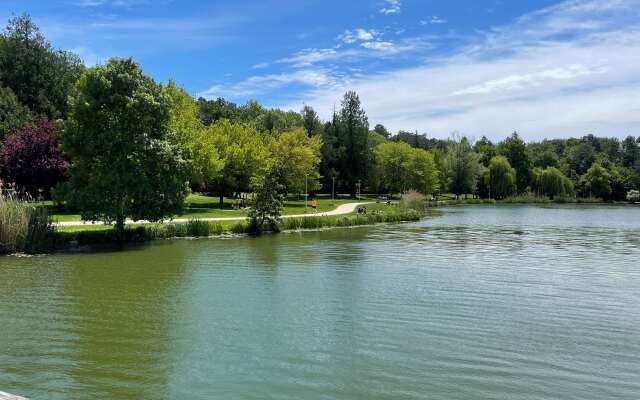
<point>546,68</point>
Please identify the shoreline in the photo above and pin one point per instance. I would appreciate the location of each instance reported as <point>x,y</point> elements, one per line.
<point>87,241</point>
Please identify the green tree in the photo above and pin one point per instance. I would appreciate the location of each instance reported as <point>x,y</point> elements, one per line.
<point>210,111</point>
<point>41,77</point>
<point>296,157</point>
<point>332,151</point>
<point>551,182</point>
<point>381,130</point>
<point>268,201</point>
<point>13,115</point>
<point>353,135</point>
<point>461,166</point>
<point>393,160</point>
<point>580,157</point>
<point>310,121</point>
<point>423,173</point>
<point>596,182</point>
<point>502,177</point>
<point>125,163</point>
<point>205,164</point>
<point>486,150</point>
<point>631,150</point>
<point>515,150</point>
<point>243,152</point>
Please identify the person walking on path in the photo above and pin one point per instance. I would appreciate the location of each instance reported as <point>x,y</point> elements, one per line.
<point>314,205</point>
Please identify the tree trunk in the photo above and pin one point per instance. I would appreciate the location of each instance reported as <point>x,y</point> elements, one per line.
<point>120,227</point>
<point>221,200</point>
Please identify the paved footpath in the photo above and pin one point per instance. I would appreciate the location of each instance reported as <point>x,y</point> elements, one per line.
<point>340,210</point>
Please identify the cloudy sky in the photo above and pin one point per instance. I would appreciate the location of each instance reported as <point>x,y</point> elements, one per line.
<point>481,67</point>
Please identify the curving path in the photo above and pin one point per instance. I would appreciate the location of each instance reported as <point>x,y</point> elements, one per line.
<point>342,209</point>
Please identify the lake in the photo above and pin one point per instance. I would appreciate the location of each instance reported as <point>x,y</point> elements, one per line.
<point>491,302</point>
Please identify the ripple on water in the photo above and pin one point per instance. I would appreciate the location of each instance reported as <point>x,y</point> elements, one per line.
<point>483,302</point>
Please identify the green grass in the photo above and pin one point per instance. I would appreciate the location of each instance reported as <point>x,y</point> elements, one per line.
<point>101,234</point>
<point>23,227</point>
<point>201,206</point>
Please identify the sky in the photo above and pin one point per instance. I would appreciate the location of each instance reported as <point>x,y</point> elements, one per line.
<point>544,68</point>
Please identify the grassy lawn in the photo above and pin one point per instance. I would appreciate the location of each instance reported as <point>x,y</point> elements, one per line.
<point>201,206</point>
<point>293,207</point>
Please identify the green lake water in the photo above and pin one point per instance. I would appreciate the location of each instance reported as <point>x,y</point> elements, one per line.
<point>482,303</point>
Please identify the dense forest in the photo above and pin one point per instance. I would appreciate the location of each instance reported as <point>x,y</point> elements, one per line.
<point>112,142</point>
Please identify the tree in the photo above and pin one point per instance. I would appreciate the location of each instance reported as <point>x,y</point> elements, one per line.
<point>514,149</point>
<point>596,182</point>
<point>502,177</point>
<point>310,121</point>
<point>13,114</point>
<point>205,164</point>
<point>332,151</point>
<point>423,174</point>
<point>125,162</point>
<point>393,160</point>
<point>631,151</point>
<point>296,157</point>
<point>41,78</point>
<point>275,121</point>
<point>461,166</point>
<point>381,130</point>
<point>353,134</point>
<point>268,201</point>
<point>486,150</point>
<point>243,152</point>
<point>32,160</point>
<point>210,111</point>
<point>580,157</point>
<point>551,182</point>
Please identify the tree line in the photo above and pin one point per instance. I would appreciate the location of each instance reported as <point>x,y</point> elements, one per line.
<point>113,143</point>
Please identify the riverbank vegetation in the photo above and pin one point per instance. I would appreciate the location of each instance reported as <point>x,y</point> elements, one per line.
<point>109,143</point>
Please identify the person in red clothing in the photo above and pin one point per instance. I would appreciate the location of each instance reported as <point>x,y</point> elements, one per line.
<point>314,205</point>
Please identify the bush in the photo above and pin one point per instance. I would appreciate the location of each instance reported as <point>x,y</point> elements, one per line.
<point>412,200</point>
<point>31,159</point>
<point>23,226</point>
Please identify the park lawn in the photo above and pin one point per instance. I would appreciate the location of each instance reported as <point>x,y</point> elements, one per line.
<point>294,207</point>
<point>201,206</point>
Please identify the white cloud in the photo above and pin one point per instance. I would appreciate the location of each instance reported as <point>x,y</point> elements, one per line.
<point>255,85</point>
<point>307,57</point>
<point>523,81</point>
<point>392,7</point>
<point>570,69</point>
<point>379,46</point>
<point>434,20</point>
<point>358,35</point>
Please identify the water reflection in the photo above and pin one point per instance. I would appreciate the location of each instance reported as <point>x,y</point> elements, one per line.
<point>483,302</point>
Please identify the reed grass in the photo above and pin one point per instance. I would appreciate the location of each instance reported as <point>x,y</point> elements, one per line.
<point>23,226</point>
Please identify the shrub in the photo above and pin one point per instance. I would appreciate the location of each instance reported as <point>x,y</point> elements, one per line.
<point>412,200</point>
<point>633,196</point>
<point>31,158</point>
